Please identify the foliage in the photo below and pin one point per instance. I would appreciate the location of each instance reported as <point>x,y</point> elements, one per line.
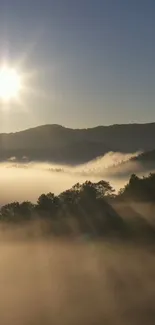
<point>86,208</point>
<point>139,189</point>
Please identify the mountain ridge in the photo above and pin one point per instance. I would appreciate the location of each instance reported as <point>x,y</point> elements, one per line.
<point>53,142</point>
<point>82,128</point>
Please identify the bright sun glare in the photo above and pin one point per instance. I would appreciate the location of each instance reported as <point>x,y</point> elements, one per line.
<point>10,83</point>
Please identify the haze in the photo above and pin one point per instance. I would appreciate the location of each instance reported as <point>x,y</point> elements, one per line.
<point>89,62</point>
<point>77,107</point>
<point>30,180</point>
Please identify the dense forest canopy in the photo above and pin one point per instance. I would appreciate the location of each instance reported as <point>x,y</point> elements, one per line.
<point>91,208</point>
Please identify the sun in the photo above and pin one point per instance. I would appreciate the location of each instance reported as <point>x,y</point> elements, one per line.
<point>10,84</point>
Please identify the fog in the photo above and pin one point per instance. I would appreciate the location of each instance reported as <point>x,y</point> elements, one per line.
<point>60,282</point>
<point>72,281</point>
<point>27,180</point>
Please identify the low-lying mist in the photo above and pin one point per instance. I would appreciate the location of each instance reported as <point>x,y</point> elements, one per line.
<point>27,180</point>
<point>72,282</point>
<point>77,279</point>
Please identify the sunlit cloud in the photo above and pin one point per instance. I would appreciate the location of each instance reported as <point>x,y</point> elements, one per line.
<point>27,180</point>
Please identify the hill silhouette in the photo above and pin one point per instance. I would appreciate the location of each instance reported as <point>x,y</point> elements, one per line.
<point>92,209</point>
<point>72,146</point>
<point>142,162</point>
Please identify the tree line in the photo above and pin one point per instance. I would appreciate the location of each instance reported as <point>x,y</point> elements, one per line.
<point>88,208</point>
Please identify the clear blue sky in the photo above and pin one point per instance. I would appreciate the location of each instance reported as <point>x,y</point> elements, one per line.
<point>94,61</point>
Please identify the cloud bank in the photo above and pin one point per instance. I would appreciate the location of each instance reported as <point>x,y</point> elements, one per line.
<point>27,180</point>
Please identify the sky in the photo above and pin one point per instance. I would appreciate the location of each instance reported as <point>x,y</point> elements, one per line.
<point>90,62</point>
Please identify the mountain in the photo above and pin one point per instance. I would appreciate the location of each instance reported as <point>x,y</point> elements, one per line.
<point>73,146</point>
<point>146,160</point>
<point>140,164</point>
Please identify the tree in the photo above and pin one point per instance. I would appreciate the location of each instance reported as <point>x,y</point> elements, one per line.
<point>10,212</point>
<point>26,210</point>
<point>47,204</point>
<point>104,189</point>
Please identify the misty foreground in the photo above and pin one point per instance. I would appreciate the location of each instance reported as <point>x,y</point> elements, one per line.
<point>83,257</point>
<point>75,282</point>
<point>91,209</point>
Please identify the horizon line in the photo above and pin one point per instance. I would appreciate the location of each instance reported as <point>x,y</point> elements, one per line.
<point>82,128</point>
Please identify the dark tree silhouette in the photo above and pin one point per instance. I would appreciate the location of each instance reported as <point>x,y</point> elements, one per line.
<point>89,208</point>
<point>47,205</point>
